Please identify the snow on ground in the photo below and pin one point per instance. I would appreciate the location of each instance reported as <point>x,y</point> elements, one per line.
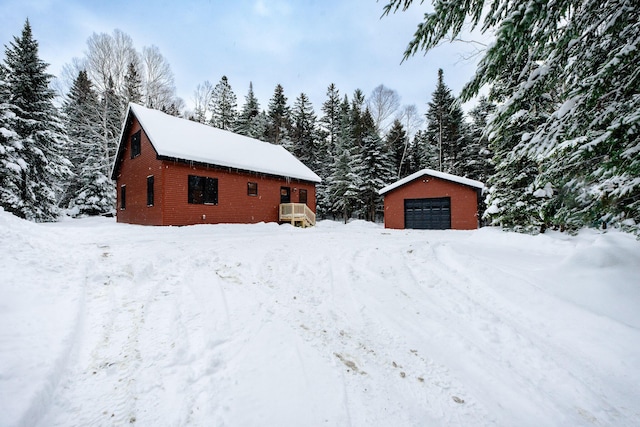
<point>342,325</point>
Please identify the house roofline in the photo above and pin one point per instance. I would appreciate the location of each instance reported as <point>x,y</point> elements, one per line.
<point>230,169</point>
<point>126,125</point>
<point>120,149</point>
<point>435,174</point>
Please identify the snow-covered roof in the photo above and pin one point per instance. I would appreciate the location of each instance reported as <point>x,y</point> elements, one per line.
<point>433,173</point>
<point>183,139</point>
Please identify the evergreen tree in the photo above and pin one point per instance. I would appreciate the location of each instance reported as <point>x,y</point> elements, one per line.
<point>397,145</point>
<point>515,200</point>
<point>304,133</point>
<point>337,193</point>
<point>11,165</point>
<point>572,67</point>
<point>223,105</point>
<point>279,115</point>
<point>345,183</point>
<point>40,131</point>
<point>424,152</point>
<point>248,119</point>
<point>476,156</point>
<point>260,126</point>
<point>327,142</point>
<point>589,145</point>
<point>91,191</point>
<point>132,85</point>
<point>356,119</point>
<point>376,166</point>
<point>171,109</point>
<point>330,120</point>
<point>444,123</point>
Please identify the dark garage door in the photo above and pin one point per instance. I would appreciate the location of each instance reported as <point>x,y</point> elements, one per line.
<point>428,214</point>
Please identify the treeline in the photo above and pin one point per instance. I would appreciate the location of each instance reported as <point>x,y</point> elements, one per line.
<point>57,156</point>
<point>566,135</point>
<point>358,145</point>
<point>557,147</point>
<point>56,159</point>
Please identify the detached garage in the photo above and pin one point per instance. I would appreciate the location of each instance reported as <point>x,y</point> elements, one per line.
<point>432,200</point>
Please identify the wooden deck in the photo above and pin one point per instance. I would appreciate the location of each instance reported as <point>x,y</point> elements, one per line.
<point>297,214</point>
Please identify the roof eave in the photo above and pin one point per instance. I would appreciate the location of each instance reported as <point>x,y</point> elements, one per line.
<point>425,172</point>
<point>119,150</point>
<point>231,168</point>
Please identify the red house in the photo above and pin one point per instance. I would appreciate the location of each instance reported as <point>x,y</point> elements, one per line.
<point>172,171</point>
<point>429,199</point>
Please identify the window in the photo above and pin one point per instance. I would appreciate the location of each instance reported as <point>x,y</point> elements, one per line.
<point>150,190</point>
<point>252,188</point>
<point>302,196</point>
<point>123,197</point>
<point>135,144</point>
<point>285,195</point>
<point>203,190</point>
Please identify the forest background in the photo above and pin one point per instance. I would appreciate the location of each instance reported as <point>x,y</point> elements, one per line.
<point>556,139</point>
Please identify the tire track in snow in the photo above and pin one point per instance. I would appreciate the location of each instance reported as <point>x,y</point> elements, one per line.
<point>43,397</point>
<point>476,333</point>
<point>346,325</point>
<point>109,364</point>
<point>436,384</point>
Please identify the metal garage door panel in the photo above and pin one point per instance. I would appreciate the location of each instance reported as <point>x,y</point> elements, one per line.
<point>428,214</point>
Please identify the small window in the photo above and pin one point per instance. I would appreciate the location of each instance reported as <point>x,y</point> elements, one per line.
<point>135,144</point>
<point>302,196</point>
<point>123,197</point>
<point>252,188</point>
<point>285,195</point>
<point>203,190</point>
<point>150,190</point>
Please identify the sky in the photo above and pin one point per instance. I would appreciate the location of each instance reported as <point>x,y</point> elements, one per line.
<point>302,45</point>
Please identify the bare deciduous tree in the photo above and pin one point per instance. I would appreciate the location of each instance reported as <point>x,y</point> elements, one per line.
<point>383,103</point>
<point>159,88</point>
<point>108,57</point>
<point>410,119</point>
<point>201,100</point>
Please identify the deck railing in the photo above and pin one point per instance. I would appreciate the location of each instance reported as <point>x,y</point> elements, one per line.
<point>297,213</point>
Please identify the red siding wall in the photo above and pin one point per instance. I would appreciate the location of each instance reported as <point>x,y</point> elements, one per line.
<point>464,201</point>
<point>171,205</point>
<point>133,174</point>
<point>234,204</point>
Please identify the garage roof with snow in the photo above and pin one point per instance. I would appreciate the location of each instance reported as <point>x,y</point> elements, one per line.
<point>435,174</point>
<point>181,139</point>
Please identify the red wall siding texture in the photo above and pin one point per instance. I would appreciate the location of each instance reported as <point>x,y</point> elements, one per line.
<point>133,175</point>
<point>464,201</point>
<point>235,205</point>
<point>171,205</point>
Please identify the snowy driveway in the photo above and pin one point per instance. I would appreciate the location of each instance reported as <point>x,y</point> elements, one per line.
<point>337,325</point>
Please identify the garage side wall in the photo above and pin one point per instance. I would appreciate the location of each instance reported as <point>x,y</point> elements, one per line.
<point>464,201</point>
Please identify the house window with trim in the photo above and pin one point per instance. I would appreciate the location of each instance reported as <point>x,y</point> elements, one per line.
<point>150,190</point>
<point>302,196</point>
<point>203,190</point>
<point>252,188</point>
<point>123,196</point>
<point>136,144</point>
